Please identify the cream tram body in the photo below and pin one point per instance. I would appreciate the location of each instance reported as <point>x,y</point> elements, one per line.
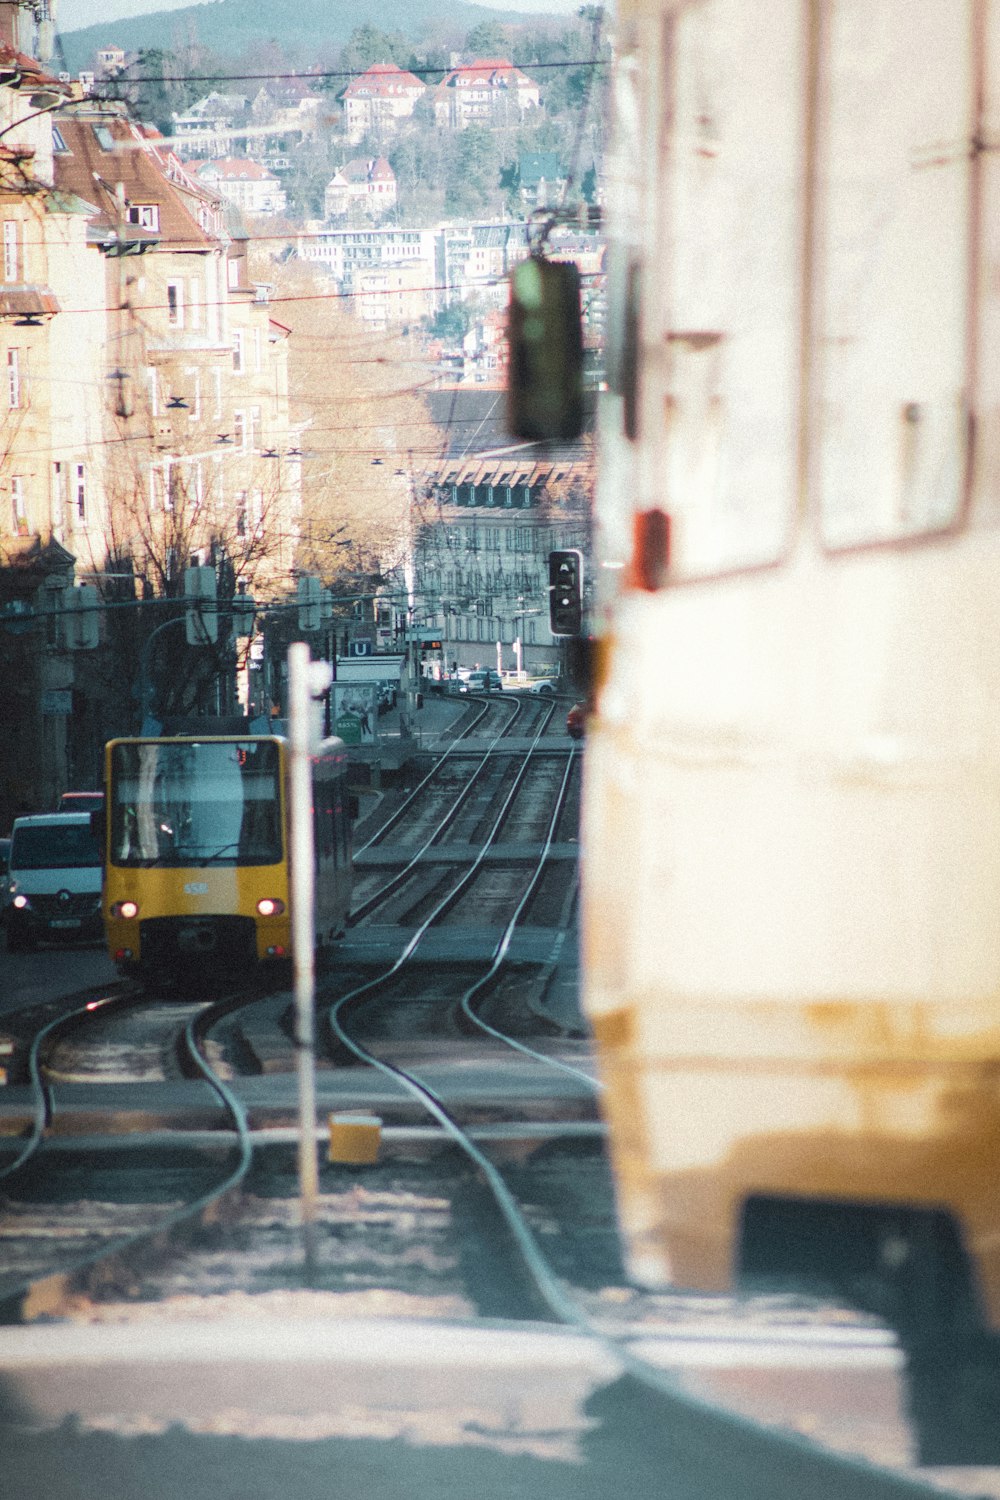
<point>792,787</point>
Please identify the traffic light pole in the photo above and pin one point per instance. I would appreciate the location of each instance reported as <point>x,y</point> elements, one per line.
<point>145,691</point>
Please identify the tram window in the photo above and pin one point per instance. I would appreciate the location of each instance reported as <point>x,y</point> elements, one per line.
<point>185,802</point>
<point>890,421</point>
<point>716,414</point>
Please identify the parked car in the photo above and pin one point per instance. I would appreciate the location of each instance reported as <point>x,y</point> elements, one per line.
<point>576,721</point>
<point>544,688</point>
<point>80,802</point>
<point>482,682</point>
<point>53,880</point>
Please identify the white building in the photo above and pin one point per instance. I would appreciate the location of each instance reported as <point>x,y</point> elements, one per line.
<point>246,183</point>
<point>379,99</point>
<point>486,91</point>
<point>368,185</point>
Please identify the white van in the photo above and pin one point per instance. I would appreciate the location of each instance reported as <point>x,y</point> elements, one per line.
<point>53,880</point>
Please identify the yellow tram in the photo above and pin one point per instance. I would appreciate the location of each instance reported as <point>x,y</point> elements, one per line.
<point>197,850</point>
<point>792,788</point>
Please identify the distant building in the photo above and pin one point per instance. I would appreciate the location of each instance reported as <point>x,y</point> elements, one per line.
<point>110,60</point>
<point>246,183</point>
<point>206,128</point>
<point>540,178</point>
<point>473,259</point>
<point>484,92</point>
<point>483,524</point>
<point>379,99</point>
<point>366,184</point>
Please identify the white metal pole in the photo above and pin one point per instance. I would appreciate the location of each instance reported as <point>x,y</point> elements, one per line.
<point>302,891</point>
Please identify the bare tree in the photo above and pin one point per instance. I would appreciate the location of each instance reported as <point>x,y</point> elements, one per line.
<point>358,397</point>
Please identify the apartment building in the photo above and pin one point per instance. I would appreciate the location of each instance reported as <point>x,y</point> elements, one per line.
<point>483,530</point>
<point>367,185</point>
<point>145,406</point>
<point>249,185</point>
<point>489,90</point>
<point>378,99</point>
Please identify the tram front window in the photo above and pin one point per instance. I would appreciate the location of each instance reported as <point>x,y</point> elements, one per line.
<point>191,803</point>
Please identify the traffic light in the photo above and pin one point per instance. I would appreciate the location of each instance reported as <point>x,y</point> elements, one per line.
<point>201,619</point>
<point>310,599</point>
<point>566,592</point>
<point>82,629</point>
<point>244,614</point>
<point>545,338</point>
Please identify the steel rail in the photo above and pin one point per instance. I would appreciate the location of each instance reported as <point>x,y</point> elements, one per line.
<point>73,1265</point>
<point>453,745</point>
<point>398,879</point>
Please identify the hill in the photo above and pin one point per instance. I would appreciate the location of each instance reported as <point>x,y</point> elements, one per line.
<point>310,32</point>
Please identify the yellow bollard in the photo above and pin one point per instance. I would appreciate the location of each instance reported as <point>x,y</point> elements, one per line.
<point>354,1138</point>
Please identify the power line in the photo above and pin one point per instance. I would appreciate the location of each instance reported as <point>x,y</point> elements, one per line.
<point>326,74</point>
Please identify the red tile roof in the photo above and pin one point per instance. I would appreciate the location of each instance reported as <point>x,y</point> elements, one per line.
<point>120,166</point>
<point>382,78</point>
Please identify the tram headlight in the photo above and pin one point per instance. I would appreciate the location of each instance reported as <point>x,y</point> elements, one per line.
<point>21,902</point>
<point>270,906</point>
<point>125,909</point>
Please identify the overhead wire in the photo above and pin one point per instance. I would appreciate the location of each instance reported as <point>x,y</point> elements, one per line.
<point>419,70</point>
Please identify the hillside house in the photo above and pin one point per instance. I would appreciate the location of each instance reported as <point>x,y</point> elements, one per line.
<point>365,185</point>
<point>376,101</point>
<point>484,92</point>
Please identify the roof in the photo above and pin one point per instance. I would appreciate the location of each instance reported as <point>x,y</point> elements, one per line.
<point>235,169</point>
<point>53,819</point>
<point>28,72</point>
<point>110,163</point>
<point>27,301</point>
<point>366,169</point>
<point>382,79</point>
<point>497,72</point>
<point>533,166</point>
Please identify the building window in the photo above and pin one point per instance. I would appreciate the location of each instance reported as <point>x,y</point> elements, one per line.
<point>175,304</point>
<point>233,274</point>
<point>194,392</point>
<point>241,513</point>
<point>80,491</point>
<point>11,250</point>
<point>240,430</point>
<point>238,352</point>
<point>174,489</point>
<point>194,302</point>
<point>58,498</point>
<point>13,377</point>
<point>19,515</point>
<point>145,215</point>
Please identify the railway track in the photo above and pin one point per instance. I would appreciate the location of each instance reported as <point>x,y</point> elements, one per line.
<point>491,1198</point>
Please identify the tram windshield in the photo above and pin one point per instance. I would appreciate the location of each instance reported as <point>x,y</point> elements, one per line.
<point>188,803</point>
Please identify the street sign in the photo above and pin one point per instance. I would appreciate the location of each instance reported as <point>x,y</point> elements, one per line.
<point>361,648</point>
<point>348,728</point>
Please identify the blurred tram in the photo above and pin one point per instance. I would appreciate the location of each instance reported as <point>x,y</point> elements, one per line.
<point>791,815</point>
<point>197,850</point>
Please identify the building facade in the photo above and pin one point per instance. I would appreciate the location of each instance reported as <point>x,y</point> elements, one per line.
<point>249,185</point>
<point>487,91</point>
<point>376,101</point>
<point>144,402</point>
